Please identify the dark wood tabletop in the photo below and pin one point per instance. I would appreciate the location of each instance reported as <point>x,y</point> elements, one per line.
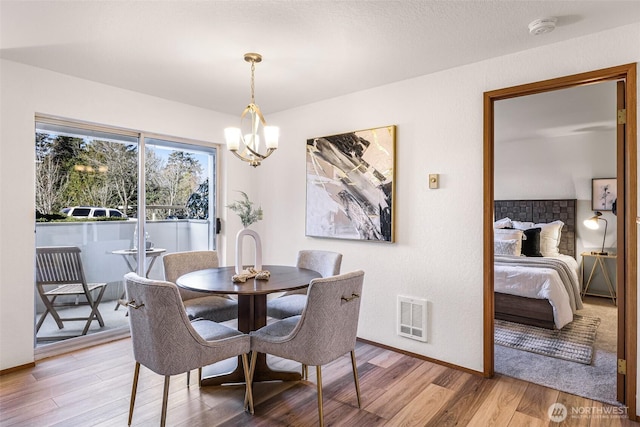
<point>218,280</point>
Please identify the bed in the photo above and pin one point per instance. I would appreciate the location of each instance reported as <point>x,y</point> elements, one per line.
<point>536,290</point>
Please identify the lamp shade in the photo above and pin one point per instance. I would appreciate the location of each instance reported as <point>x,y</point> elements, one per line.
<point>592,223</point>
<point>271,134</point>
<point>232,136</point>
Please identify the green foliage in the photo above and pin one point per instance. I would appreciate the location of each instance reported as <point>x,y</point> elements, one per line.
<point>244,209</point>
<point>75,171</point>
<point>178,179</point>
<point>198,203</point>
<point>64,218</point>
<point>40,217</point>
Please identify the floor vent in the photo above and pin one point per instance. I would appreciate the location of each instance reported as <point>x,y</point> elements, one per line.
<point>412,318</point>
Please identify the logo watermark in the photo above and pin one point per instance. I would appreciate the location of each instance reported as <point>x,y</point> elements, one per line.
<point>558,412</point>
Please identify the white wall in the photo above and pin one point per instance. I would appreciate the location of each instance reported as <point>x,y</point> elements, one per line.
<point>560,168</point>
<point>438,249</point>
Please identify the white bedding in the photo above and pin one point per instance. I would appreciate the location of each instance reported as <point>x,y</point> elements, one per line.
<point>542,283</point>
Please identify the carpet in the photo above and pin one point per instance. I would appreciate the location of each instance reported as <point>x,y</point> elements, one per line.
<point>574,342</point>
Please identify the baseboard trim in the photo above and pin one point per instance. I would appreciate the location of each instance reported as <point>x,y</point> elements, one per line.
<point>421,357</point>
<point>17,368</point>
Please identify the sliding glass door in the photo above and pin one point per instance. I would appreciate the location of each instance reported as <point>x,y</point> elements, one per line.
<point>111,192</point>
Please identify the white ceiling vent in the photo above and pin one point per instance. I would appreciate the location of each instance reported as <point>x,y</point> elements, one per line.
<point>412,318</point>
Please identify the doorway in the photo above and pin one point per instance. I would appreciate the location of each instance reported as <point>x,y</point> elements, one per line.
<point>627,200</point>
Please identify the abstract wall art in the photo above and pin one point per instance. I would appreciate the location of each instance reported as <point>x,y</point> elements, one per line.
<point>350,185</point>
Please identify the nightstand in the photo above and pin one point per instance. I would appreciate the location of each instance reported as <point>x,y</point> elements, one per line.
<point>599,261</point>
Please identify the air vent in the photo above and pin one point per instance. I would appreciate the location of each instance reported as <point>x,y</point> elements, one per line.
<point>412,318</point>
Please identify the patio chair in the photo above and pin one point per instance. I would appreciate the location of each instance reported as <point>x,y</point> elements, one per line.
<point>292,303</point>
<point>59,274</point>
<point>325,331</point>
<point>166,342</point>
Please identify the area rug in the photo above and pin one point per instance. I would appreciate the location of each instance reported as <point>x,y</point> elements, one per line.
<point>574,342</point>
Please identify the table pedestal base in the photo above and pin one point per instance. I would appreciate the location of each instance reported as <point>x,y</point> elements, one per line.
<point>262,373</point>
<point>256,307</point>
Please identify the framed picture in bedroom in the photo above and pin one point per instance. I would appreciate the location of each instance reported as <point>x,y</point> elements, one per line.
<point>603,193</point>
<point>350,185</point>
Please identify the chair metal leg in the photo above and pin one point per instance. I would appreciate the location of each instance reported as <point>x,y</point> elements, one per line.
<point>134,388</point>
<point>165,398</point>
<point>355,375</point>
<point>252,367</point>
<point>248,383</point>
<point>199,377</point>
<point>305,372</point>
<point>319,385</point>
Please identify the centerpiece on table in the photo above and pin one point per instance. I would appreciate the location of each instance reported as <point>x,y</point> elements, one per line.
<point>248,215</point>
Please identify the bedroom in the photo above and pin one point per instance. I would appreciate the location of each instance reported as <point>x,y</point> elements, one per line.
<point>551,146</point>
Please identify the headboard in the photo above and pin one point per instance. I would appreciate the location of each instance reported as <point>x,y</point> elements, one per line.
<point>541,211</point>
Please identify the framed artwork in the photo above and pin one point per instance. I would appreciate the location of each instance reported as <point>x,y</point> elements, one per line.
<point>603,193</point>
<point>350,185</point>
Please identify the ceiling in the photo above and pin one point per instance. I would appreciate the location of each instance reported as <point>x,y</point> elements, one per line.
<point>556,114</point>
<point>192,51</point>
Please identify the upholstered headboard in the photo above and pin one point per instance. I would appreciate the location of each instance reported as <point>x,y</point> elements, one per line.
<point>541,211</point>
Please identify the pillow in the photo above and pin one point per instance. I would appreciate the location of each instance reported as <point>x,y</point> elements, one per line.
<point>550,237</point>
<point>520,225</point>
<point>509,234</point>
<point>505,247</point>
<point>531,243</point>
<point>503,223</point>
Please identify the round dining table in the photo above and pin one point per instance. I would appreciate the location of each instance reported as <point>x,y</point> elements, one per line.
<point>252,308</point>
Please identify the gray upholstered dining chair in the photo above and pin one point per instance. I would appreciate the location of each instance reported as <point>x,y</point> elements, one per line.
<point>217,308</point>
<point>325,331</point>
<point>168,343</point>
<point>292,303</point>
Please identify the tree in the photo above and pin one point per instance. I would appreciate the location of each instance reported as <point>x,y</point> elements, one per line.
<point>179,178</point>
<point>92,172</point>
<point>52,177</point>
<point>198,203</point>
<point>115,166</point>
<point>51,182</point>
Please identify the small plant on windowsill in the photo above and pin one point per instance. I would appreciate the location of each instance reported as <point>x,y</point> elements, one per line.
<point>244,208</point>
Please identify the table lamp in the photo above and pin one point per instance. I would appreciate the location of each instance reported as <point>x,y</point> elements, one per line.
<point>594,224</point>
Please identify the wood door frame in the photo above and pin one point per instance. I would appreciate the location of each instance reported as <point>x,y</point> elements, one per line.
<point>627,179</point>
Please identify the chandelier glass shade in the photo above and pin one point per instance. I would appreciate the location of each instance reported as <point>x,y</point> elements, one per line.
<point>245,141</point>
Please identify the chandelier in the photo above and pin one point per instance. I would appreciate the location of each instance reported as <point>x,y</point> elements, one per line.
<point>244,141</point>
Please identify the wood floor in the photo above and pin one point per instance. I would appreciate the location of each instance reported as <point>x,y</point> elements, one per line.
<point>91,387</point>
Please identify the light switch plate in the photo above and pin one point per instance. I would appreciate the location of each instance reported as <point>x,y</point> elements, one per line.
<point>434,180</point>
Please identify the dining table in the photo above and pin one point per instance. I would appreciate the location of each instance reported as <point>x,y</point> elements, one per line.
<point>252,309</point>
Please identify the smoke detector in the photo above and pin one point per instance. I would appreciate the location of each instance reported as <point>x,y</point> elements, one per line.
<point>542,26</point>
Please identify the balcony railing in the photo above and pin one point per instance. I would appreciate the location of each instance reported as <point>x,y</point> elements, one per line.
<point>99,240</point>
